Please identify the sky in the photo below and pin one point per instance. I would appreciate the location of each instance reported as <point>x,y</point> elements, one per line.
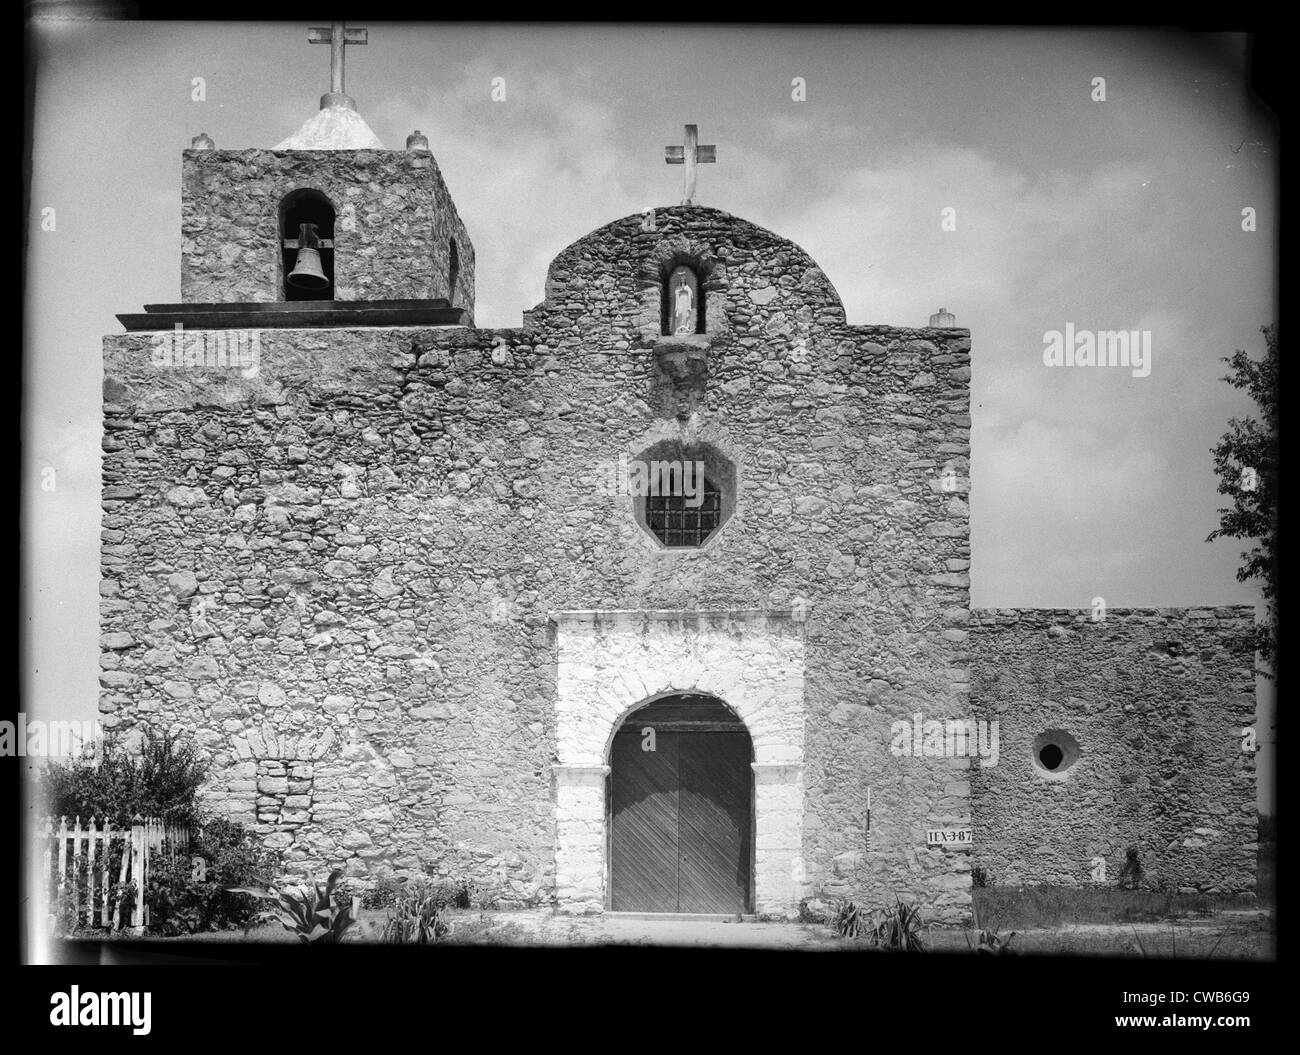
<point>1115,213</point>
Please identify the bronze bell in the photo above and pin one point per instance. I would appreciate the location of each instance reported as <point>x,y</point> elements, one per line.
<point>307,272</point>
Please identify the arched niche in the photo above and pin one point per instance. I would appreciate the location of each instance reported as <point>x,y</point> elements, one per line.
<point>683,302</point>
<point>676,263</point>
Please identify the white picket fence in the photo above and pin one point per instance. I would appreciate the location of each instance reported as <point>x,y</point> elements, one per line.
<point>71,853</point>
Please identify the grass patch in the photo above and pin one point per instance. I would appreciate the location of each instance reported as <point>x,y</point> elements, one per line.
<point>1023,908</point>
<point>488,928</point>
<point>1248,940</point>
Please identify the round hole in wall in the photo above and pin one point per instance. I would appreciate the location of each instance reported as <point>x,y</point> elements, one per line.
<point>1054,753</point>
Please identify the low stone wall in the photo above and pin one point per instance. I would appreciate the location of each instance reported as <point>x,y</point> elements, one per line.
<point>1148,708</point>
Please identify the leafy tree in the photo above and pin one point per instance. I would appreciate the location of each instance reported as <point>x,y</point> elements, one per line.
<point>1245,461</point>
<point>163,781</point>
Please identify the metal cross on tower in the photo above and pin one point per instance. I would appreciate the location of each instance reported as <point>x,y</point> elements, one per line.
<point>337,37</point>
<point>690,155</point>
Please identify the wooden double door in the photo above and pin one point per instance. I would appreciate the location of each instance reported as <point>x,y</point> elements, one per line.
<point>681,810</point>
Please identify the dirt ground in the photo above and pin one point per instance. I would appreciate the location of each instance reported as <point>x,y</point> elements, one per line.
<point>544,927</point>
<point>1231,934</point>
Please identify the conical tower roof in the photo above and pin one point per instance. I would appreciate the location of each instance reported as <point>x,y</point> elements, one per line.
<point>336,126</point>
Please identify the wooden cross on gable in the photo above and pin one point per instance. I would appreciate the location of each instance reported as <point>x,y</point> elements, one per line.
<point>690,155</point>
<point>337,37</point>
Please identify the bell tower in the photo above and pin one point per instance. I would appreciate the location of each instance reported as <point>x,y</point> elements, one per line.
<point>328,220</point>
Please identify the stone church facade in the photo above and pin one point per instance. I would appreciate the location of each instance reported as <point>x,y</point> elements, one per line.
<point>387,568</point>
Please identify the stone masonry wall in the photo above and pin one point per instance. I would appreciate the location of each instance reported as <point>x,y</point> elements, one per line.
<point>392,233</point>
<point>1156,700</point>
<point>356,550</point>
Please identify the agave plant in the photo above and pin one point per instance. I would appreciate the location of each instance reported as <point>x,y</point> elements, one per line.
<point>849,921</point>
<point>992,943</point>
<point>987,939</point>
<point>416,917</point>
<point>898,928</point>
<point>307,911</point>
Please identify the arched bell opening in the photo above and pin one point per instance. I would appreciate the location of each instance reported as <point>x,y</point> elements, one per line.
<point>307,245</point>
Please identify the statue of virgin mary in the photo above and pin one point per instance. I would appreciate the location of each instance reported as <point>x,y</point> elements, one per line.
<point>683,300</point>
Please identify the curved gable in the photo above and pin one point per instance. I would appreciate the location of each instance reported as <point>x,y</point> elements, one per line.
<point>614,275</point>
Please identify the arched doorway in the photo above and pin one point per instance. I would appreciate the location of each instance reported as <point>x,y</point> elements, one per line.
<point>681,809</point>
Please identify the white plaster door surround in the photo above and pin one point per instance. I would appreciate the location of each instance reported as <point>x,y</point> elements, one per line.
<point>611,662</point>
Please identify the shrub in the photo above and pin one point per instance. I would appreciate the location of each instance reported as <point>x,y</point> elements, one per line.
<point>1130,876</point>
<point>162,781</point>
<point>382,893</point>
<point>813,911</point>
<point>455,893</point>
<point>386,891</point>
<point>1266,827</point>
<point>346,889</point>
<point>68,912</point>
<point>233,856</point>
<point>177,903</point>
